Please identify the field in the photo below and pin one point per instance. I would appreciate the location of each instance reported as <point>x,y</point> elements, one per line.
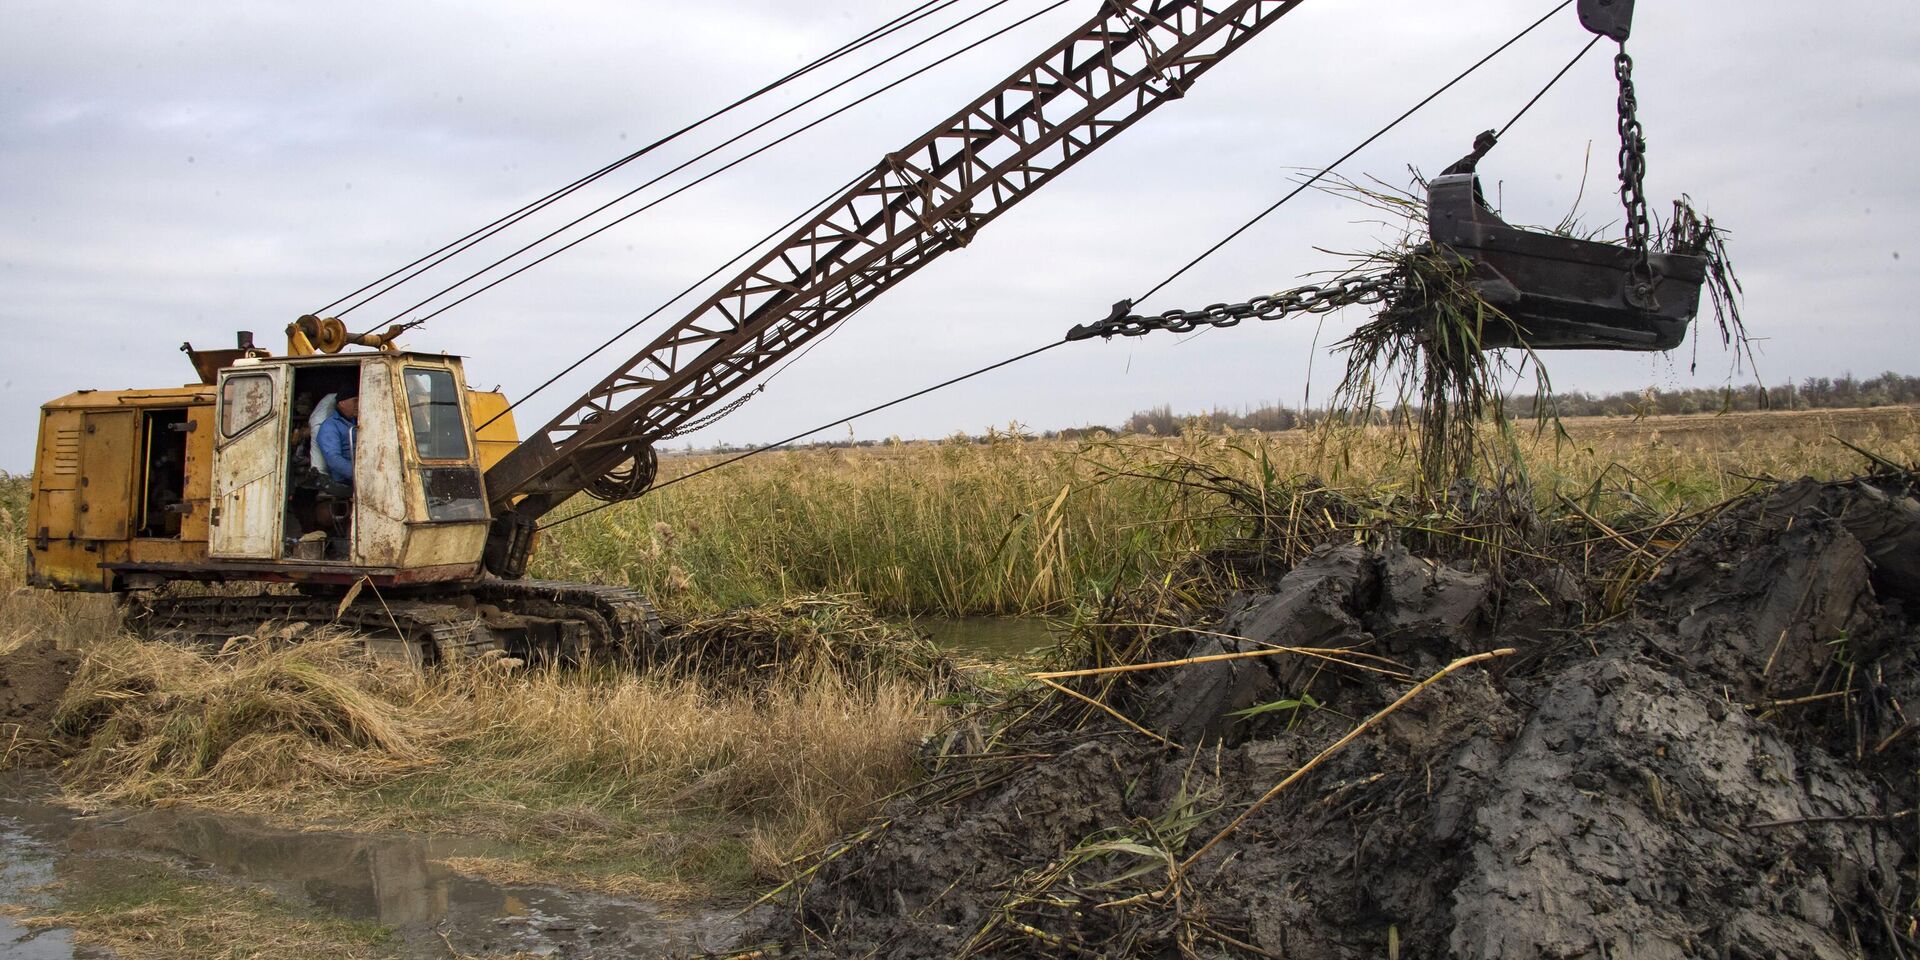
<point>704,785</point>
<point>1013,526</point>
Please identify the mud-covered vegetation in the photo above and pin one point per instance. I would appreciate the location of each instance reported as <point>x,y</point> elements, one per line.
<point>1468,727</point>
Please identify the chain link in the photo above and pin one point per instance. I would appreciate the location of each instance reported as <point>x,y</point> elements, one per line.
<point>1323,298</point>
<point>711,418</point>
<point>1633,156</point>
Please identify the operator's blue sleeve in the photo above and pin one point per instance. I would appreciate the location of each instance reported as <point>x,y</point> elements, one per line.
<point>336,447</point>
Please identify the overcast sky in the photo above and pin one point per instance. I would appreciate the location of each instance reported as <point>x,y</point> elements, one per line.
<point>175,172</point>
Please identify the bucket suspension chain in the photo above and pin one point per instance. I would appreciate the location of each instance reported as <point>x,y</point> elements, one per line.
<point>1313,298</point>
<point>1633,156</point>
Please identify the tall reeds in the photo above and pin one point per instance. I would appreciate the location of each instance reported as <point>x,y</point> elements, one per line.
<point>1020,525</point>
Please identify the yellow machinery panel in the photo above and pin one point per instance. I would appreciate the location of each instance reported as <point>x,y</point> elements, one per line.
<point>494,432</point>
<point>124,480</point>
<point>92,479</point>
<point>108,439</point>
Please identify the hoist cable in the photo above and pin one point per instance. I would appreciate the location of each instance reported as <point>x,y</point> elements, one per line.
<point>1543,90</point>
<point>1329,168</point>
<point>482,233</point>
<point>718,170</point>
<point>736,458</point>
<point>670,301</point>
<point>1211,250</point>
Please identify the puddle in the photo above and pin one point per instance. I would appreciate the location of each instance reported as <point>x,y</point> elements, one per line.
<point>396,881</point>
<point>991,638</point>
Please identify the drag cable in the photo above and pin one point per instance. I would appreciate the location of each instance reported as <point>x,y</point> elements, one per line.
<point>1329,168</point>
<point>736,458</point>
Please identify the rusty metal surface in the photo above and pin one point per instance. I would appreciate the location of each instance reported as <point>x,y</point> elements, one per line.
<point>249,468</point>
<point>380,492</point>
<point>921,201</point>
<point>67,547</point>
<point>339,574</point>
<point>109,441</point>
<point>199,474</point>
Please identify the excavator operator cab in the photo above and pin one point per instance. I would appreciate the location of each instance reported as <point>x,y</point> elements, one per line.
<point>407,506</point>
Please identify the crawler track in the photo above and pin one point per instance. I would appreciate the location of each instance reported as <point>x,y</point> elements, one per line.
<point>541,619</point>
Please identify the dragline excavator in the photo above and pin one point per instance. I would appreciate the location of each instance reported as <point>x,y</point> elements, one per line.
<point>145,493</point>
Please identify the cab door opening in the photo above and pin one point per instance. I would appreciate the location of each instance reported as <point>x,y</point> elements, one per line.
<point>318,522</point>
<point>163,473</point>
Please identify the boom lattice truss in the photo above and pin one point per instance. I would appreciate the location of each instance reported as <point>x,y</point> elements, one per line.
<point>927,198</point>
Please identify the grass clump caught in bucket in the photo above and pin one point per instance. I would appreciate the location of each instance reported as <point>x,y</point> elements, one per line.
<point>1421,361</point>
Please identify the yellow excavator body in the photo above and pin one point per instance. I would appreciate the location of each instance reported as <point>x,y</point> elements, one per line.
<point>134,488</point>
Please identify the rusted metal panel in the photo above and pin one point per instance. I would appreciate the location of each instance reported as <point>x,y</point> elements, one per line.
<point>380,472</point>
<point>199,467</point>
<point>56,479</point>
<point>164,550</point>
<point>58,466</point>
<point>440,544</point>
<point>109,439</point>
<point>331,573</point>
<point>249,469</point>
<point>67,565</point>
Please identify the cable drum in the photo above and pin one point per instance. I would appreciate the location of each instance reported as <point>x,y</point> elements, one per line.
<point>634,473</point>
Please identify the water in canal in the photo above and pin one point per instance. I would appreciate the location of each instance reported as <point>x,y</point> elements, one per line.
<point>397,881</point>
<point>989,638</point>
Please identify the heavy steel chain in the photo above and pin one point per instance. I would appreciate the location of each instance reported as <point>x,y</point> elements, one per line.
<point>1633,156</point>
<point>1321,298</point>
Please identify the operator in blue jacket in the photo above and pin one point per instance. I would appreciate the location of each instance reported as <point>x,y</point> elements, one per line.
<point>336,437</point>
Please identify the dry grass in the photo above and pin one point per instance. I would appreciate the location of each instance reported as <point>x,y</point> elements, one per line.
<point>667,785</point>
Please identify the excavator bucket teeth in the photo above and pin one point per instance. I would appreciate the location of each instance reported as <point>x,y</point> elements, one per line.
<point>1564,293</point>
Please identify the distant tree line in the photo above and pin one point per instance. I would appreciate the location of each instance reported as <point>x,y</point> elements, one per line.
<point>1813,393</point>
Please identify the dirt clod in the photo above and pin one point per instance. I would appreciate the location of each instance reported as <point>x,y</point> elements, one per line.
<point>33,678</point>
<point>1728,770</point>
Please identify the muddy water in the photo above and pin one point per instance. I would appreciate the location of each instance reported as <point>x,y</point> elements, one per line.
<point>397,881</point>
<point>991,638</point>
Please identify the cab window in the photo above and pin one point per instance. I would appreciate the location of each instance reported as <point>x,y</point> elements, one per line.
<point>244,401</point>
<point>439,422</point>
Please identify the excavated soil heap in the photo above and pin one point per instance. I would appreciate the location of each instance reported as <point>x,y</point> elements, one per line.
<point>33,678</point>
<point>1728,771</point>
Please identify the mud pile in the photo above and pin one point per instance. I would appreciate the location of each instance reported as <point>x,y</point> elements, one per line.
<point>1727,769</point>
<point>33,678</point>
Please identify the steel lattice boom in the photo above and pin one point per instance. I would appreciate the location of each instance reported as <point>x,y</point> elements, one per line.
<point>927,198</point>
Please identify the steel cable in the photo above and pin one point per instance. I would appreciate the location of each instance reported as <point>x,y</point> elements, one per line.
<point>656,311</point>
<point>736,458</point>
<point>1176,274</point>
<point>717,171</point>
<point>1329,168</point>
<point>482,233</point>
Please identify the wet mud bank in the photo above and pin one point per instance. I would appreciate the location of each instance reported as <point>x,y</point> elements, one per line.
<point>1703,744</point>
<point>397,882</point>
